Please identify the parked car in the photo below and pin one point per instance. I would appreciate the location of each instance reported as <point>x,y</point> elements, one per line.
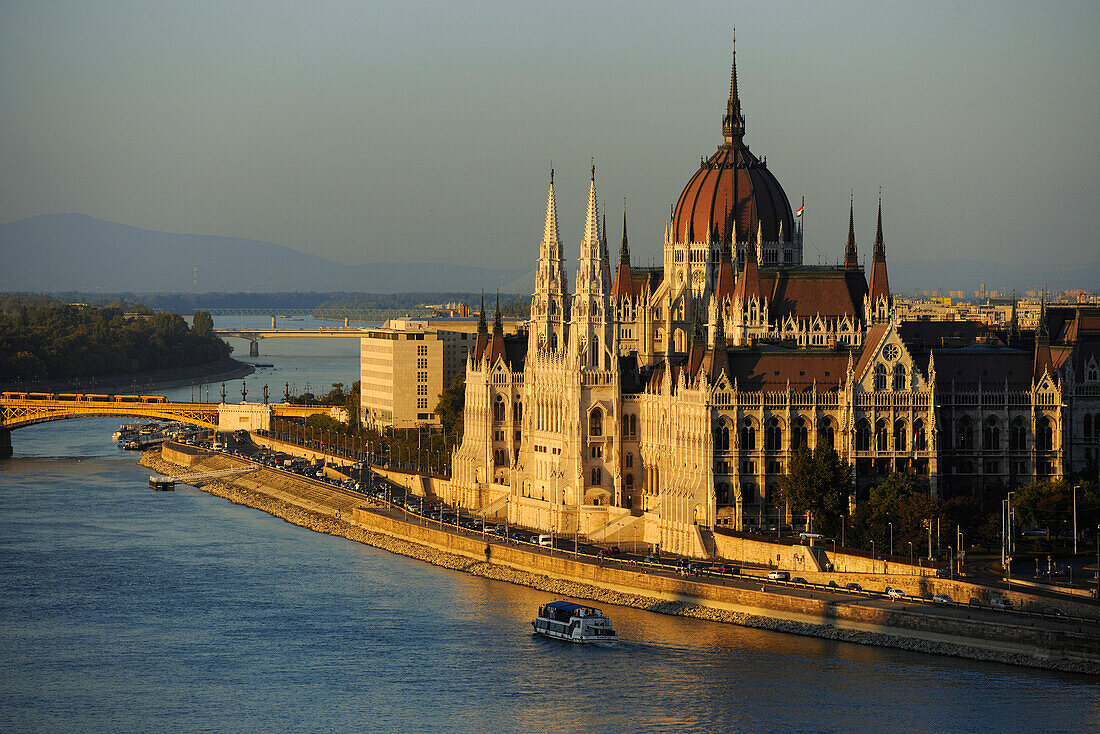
<point>726,569</point>
<point>974,602</point>
<point>653,558</point>
<point>853,586</point>
<point>1035,533</point>
<point>799,580</point>
<point>1056,612</point>
<point>779,576</point>
<point>895,593</point>
<point>1000,603</point>
<point>834,584</point>
<point>810,536</point>
<point>941,599</point>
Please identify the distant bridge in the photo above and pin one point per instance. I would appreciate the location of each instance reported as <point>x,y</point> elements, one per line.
<point>367,315</point>
<point>21,409</point>
<point>255,335</point>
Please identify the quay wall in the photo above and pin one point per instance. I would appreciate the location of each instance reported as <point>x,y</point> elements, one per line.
<point>794,557</point>
<point>625,579</point>
<point>325,509</point>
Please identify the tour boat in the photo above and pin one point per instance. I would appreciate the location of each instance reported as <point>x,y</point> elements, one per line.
<point>162,484</point>
<point>564,620</point>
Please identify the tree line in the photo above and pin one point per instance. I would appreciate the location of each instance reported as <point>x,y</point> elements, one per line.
<point>819,484</point>
<point>49,340</point>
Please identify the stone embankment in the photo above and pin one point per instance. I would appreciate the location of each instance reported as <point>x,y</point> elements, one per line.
<point>248,491</point>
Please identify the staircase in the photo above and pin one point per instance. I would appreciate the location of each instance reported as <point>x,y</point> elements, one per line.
<point>705,537</point>
<point>619,530</point>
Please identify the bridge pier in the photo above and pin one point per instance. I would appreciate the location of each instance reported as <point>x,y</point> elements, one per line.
<point>254,348</point>
<point>346,320</point>
<point>5,443</point>
<point>273,322</point>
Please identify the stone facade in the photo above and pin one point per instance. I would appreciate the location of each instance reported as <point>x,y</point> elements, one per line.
<point>665,402</point>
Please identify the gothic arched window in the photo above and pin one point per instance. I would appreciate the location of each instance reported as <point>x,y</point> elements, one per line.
<point>1017,435</point>
<point>901,442</point>
<point>900,383</point>
<point>826,435</point>
<point>1046,434</point>
<point>498,409</point>
<point>748,435</point>
<point>991,435</point>
<point>595,423</point>
<point>880,377</point>
<point>800,434</point>
<point>597,477</point>
<point>920,441</point>
<point>881,437</point>
<point>773,435</point>
<point>722,437</point>
<point>964,434</point>
<point>863,435</point>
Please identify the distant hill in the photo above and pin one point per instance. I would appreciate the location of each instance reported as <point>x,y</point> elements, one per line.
<point>75,252</point>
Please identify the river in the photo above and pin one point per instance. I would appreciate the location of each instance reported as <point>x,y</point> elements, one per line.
<point>123,609</point>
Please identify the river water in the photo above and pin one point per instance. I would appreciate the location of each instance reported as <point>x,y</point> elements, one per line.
<point>123,609</point>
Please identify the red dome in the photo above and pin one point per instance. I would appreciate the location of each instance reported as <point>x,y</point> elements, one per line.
<point>733,184</point>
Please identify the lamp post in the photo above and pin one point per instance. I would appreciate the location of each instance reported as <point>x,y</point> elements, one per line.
<point>842,531</point>
<point>872,556</point>
<point>910,553</point>
<point>891,538</point>
<point>1075,519</point>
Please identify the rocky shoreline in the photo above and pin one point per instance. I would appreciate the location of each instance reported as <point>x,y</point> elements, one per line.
<point>332,526</point>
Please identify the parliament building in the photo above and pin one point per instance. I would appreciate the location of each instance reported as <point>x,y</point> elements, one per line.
<point>657,403</point>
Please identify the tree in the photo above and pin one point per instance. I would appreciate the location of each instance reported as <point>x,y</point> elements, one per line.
<point>203,324</point>
<point>1049,505</point>
<point>451,403</point>
<point>898,500</point>
<point>818,484</point>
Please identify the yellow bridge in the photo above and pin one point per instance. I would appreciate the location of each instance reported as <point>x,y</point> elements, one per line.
<point>20,409</point>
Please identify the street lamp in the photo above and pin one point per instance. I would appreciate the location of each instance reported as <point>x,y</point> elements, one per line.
<point>1075,519</point>
<point>910,553</point>
<point>891,538</point>
<point>872,556</point>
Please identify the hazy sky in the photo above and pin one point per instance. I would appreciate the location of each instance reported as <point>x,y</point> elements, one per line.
<point>423,131</point>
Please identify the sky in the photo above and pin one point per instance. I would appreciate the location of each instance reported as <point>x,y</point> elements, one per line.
<point>424,131</point>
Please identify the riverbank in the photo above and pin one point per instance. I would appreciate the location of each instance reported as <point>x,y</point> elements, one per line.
<point>328,511</point>
<point>143,382</point>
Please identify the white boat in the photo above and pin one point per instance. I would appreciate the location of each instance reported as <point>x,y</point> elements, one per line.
<point>564,620</point>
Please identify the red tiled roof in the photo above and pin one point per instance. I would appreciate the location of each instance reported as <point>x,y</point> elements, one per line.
<point>808,291</point>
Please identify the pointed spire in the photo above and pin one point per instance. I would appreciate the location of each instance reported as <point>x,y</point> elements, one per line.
<point>851,256</point>
<point>550,229</point>
<point>879,287</point>
<point>498,322</point>
<point>880,244</point>
<point>482,326</point>
<point>733,124</point>
<point>624,251</point>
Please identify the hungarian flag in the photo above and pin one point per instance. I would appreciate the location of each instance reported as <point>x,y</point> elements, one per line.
<point>799,212</point>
